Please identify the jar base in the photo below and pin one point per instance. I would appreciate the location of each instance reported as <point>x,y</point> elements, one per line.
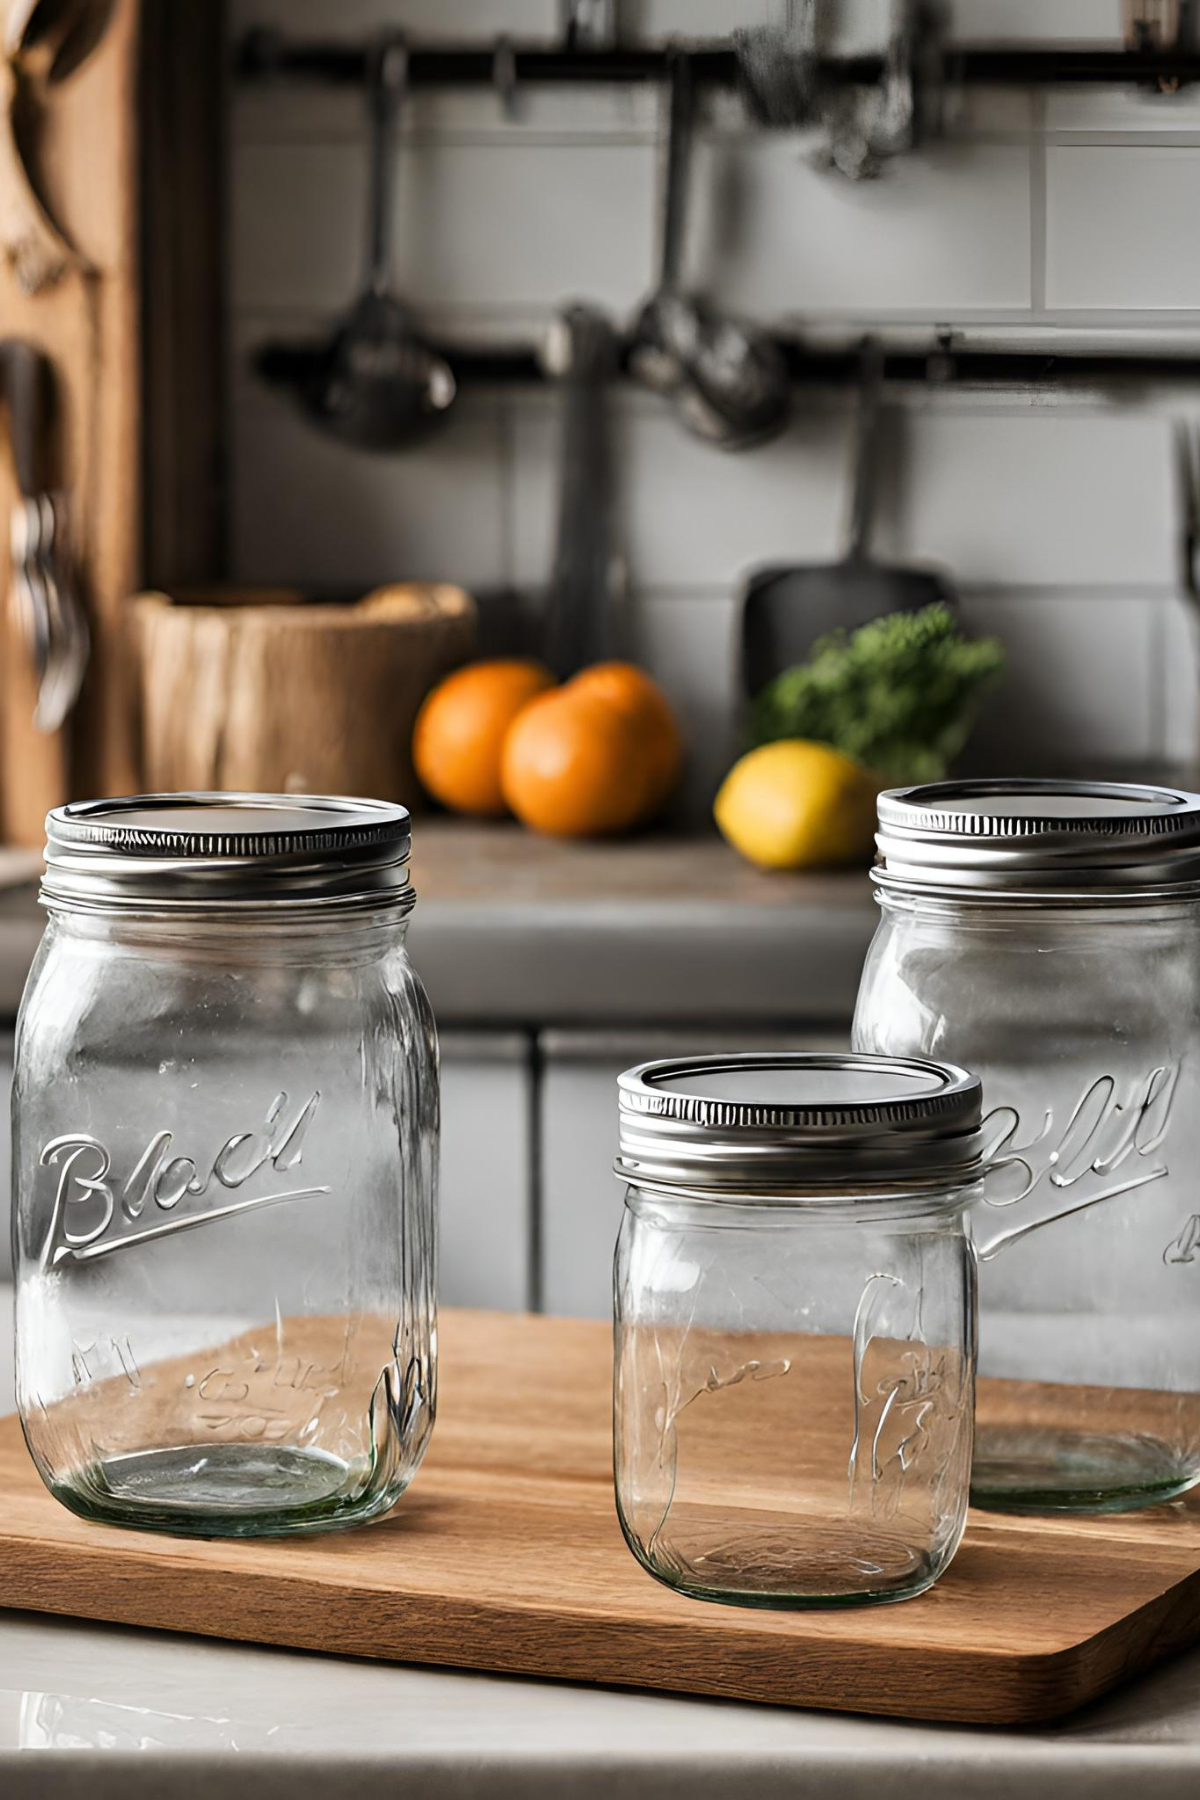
<point>797,1565</point>
<point>1043,1470</point>
<point>225,1491</point>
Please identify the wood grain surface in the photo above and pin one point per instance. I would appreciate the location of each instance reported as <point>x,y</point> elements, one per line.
<point>241,691</point>
<point>506,1555</point>
<point>87,324</point>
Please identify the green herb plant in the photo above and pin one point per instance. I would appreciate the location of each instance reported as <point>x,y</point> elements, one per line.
<point>900,695</point>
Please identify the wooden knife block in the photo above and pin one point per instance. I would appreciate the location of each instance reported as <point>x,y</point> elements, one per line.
<point>264,692</point>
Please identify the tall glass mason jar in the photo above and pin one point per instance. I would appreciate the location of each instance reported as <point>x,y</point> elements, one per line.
<point>795,1325</point>
<point>1047,934</point>
<point>225,1119</point>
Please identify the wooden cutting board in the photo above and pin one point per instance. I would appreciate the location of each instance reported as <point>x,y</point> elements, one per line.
<point>506,1555</point>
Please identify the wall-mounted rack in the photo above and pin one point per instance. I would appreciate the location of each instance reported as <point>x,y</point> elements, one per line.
<point>265,54</point>
<point>944,362</point>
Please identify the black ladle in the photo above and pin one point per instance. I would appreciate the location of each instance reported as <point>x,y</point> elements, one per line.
<point>729,382</point>
<point>377,383</point>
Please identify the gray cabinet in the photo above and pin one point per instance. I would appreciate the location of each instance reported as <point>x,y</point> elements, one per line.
<point>487,1170</point>
<point>580,1197</point>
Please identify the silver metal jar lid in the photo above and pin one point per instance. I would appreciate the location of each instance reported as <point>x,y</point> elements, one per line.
<point>1077,836</point>
<point>212,852</point>
<point>779,1125</point>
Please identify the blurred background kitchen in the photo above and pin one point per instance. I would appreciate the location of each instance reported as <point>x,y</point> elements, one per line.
<point>963,285</point>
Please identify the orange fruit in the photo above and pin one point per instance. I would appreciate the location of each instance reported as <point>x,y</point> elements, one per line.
<point>632,690</point>
<point>459,735</point>
<point>594,757</point>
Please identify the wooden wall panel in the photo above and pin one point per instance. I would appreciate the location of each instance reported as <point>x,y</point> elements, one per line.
<point>183,118</point>
<point>87,161</point>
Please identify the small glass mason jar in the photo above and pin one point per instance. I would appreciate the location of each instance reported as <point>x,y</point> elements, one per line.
<point>1047,934</point>
<point>795,1325</point>
<point>225,1118</point>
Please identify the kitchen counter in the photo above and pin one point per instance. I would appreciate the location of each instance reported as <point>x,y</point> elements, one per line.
<point>99,1711</point>
<point>516,929</point>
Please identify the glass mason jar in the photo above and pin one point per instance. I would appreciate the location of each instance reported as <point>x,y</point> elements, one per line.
<point>225,1120</point>
<point>1046,934</point>
<point>795,1325</point>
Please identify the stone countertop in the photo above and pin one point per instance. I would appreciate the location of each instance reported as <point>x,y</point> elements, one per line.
<point>515,929</point>
<point>511,927</point>
<point>108,1711</point>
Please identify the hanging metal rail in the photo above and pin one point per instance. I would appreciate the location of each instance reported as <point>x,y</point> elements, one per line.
<point>943,363</point>
<point>265,54</point>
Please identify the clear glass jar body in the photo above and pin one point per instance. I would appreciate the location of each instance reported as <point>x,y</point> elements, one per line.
<point>794,1394</point>
<point>224,1154</point>
<point>1082,1021</point>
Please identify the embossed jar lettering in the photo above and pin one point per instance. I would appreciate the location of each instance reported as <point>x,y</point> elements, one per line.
<point>85,1202</point>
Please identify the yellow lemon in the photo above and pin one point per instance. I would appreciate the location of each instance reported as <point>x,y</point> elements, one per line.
<point>798,805</point>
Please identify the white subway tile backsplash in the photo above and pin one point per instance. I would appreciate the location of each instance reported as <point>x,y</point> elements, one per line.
<point>940,233</point>
<point>437,21</point>
<point>309,512</point>
<point>856,21</point>
<point>1121,226</point>
<point>1019,497</point>
<point>1040,21</point>
<point>479,228</point>
<point>652,20</point>
<point>1077,691</point>
<point>1034,498</point>
<point>297,225</point>
<point>988,112</point>
<point>300,112</point>
<point>489,227</point>
<point>692,516</point>
<point>448,21</point>
<point>1101,108</point>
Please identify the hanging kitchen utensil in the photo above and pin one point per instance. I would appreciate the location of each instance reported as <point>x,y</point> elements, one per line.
<point>50,616</point>
<point>33,246</point>
<point>866,127</point>
<point>377,384</point>
<point>729,382</point>
<point>779,65</point>
<point>44,42</point>
<point>860,126</point>
<point>52,38</point>
<point>584,619</point>
<point>786,610</point>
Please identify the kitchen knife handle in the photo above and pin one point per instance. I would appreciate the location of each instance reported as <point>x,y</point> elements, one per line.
<point>27,392</point>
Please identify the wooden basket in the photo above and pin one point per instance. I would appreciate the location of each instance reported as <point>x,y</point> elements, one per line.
<point>264,692</point>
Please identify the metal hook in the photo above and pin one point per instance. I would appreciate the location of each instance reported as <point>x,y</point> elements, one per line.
<point>589,24</point>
